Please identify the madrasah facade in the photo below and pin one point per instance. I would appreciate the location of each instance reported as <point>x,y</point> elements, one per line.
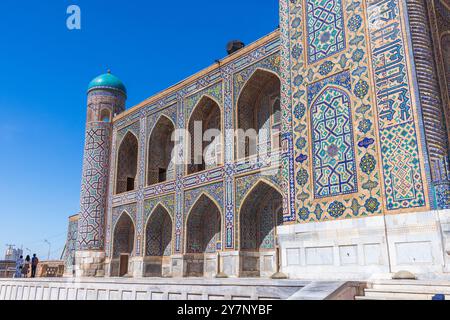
<point>348,176</point>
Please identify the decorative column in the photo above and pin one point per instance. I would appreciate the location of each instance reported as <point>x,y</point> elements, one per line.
<point>106,98</point>
<point>431,100</point>
<point>178,250</point>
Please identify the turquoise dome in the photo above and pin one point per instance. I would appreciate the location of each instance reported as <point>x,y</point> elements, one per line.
<point>107,81</point>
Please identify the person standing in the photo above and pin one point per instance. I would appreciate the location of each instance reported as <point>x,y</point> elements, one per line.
<point>34,264</point>
<point>26,267</point>
<point>19,266</point>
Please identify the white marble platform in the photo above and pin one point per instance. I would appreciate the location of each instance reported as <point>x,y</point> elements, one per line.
<point>161,289</point>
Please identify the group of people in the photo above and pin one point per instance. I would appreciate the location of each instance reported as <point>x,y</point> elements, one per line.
<point>23,266</point>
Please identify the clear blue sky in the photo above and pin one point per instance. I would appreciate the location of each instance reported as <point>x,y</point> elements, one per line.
<point>44,72</point>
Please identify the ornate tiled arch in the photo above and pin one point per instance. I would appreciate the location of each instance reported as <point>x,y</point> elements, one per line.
<point>214,191</point>
<point>212,247</point>
<point>117,212</point>
<point>168,202</point>
<point>240,78</point>
<point>133,128</point>
<point>214,92</point>
<point>244,183</point>
<point>169,112</point>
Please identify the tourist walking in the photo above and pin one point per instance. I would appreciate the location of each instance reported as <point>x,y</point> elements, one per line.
<point>34,264</point>
<point>26,267</point>
<point>19,266</point>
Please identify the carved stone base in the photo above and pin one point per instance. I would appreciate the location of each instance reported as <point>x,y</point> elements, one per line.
<point>89,264</point>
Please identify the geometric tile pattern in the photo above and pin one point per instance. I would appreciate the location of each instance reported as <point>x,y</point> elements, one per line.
<point>333,145</point>
<point>400,145</point>
<point>325,24</point>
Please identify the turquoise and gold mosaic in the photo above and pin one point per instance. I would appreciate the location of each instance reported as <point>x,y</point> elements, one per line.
<point>335,146</point>
<point>357,150</point>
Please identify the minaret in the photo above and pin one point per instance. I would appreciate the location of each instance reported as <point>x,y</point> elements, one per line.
<point>106,98</point>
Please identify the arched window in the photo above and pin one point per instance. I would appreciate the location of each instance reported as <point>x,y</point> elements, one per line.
<point>203,154</point>
<point>161,161</point>
<point>258,114</point>
<point>105,115</point>
<point>334,165</point>
<point>127,161</point>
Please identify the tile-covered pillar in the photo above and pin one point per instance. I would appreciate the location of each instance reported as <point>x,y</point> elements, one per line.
<point>103,103</point>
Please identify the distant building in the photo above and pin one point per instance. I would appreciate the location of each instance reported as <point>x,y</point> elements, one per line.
<point>13,254</point>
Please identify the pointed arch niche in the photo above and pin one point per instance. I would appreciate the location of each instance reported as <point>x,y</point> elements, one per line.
<point>160,154</point>
<point>158,243</point>
<point>208,154</point>
<point>123,245</point>
<point>260,214</point>
<point>258,111</point>
<point>127,161</point>
<point>203,233</point>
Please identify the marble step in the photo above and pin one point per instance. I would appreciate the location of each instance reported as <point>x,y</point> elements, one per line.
<point>401,294</point>
<point>428,283</point>
<point>412,288</point>
<point>381,298</point>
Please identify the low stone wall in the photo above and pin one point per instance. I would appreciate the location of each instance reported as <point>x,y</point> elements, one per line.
<point>50,269</point>
<point>148,289</point>
<point>7,269</point>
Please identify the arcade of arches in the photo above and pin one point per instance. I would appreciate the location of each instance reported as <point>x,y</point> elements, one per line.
<point>258,109</point>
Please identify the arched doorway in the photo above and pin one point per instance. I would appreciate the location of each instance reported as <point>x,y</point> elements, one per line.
<point>204,155</point>
<point>161,166</point>
<point>158,243</point>
<point>260,214</point>
<point>258,115</point>
<point>123,245</point>
<point>203,233</point>
<point>127,161</point>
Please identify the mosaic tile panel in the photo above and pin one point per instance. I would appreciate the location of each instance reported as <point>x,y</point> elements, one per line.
<point>350,72</point>
<point>325,28</point>
<point>401,156</point>
<point>334,164</point>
